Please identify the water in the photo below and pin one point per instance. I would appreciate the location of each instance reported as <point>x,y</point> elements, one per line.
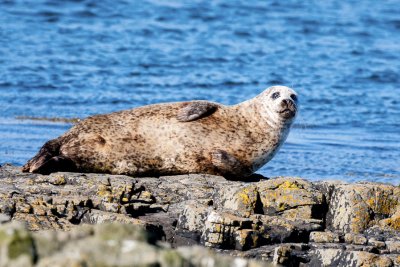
<point>77,58</point>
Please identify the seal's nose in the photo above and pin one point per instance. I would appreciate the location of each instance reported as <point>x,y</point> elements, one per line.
<point>288,102</point>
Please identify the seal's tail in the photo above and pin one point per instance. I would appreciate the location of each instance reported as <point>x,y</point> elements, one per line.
<point>49,160</point>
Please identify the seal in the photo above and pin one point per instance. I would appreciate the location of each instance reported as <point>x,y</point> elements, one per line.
<point>175,138</point>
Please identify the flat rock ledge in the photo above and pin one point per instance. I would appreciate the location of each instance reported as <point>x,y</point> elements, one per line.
<point>283,220</point>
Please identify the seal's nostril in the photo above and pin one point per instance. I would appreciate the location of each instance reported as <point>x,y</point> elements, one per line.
<point>287,101</point>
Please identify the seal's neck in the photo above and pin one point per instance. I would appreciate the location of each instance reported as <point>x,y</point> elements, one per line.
<point>270,118</point>
<point>270,132</point>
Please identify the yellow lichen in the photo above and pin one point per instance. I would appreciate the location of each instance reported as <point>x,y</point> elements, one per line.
<point>361,219</point>
<point>247,198</point>
<point>290,185</point>
<point>255,240</point>
<point>242,237</point>
<point>146,194</point>
<point>383,202</point>
<point>393,222</point>
<point>104,192</point>
<point>244,197</point>
<point>58,180</point>
<point>282,206</point>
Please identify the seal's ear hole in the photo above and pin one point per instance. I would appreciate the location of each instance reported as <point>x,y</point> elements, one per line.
<point>275,95</point>
<point>294,97</point>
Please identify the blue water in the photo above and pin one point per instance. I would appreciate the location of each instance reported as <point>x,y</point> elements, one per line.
<point>77,58</point>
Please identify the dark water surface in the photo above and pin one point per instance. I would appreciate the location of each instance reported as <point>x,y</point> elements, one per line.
<point>77,58</point>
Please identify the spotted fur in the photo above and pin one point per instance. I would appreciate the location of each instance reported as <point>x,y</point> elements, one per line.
<point>175,138</point>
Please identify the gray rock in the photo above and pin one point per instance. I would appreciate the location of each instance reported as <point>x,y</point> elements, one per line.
<point>393,247</point>
<point>286,220</point>
<point>357,239</point>
<point>376,243</point>
<point>4,218</point>
<point>16,245</point>
<point>101,245</point>
<point>193,216</point>
<point>355,207</point>
<point>338,257</point>
<point>324,237</point>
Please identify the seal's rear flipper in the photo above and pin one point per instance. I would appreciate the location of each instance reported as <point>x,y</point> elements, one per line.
<point>48,159</point>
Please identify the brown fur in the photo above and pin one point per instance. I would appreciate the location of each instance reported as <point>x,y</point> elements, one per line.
<point>156,140</point>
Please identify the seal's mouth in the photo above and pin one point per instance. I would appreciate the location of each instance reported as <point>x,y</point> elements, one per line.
<point>288,112</point>
<point>287,109</point>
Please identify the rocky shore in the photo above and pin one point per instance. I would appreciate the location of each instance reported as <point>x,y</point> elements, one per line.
<point>284,220</point>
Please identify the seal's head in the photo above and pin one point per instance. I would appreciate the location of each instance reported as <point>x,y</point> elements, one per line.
<point>280,103</point>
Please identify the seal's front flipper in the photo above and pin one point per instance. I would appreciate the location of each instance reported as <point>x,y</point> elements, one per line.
<point>196,110</point>
<point>229,166</point>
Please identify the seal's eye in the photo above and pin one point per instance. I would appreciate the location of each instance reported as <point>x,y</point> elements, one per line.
<point>294,97</point>
<point>275,95</point>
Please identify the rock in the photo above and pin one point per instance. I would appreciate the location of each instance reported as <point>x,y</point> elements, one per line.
<point>101,245</point>
<point>337,257</point>
<point>201,257</point>
<point>356,239</point>
<point>355,207</point>
<point>193,216</point>
<point>291,198</point>
<point>284,220</point>
<point>324,237</point>
<point>382,233</point>
<point>276,229</point>
<point>224,230</point>
<point>393,246</point>
<point>4,218</point>
<point>16,245</point>
<point>282,255</point>
<point>376,243</point>
<point>392,222</point>
<point>243,200</point>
